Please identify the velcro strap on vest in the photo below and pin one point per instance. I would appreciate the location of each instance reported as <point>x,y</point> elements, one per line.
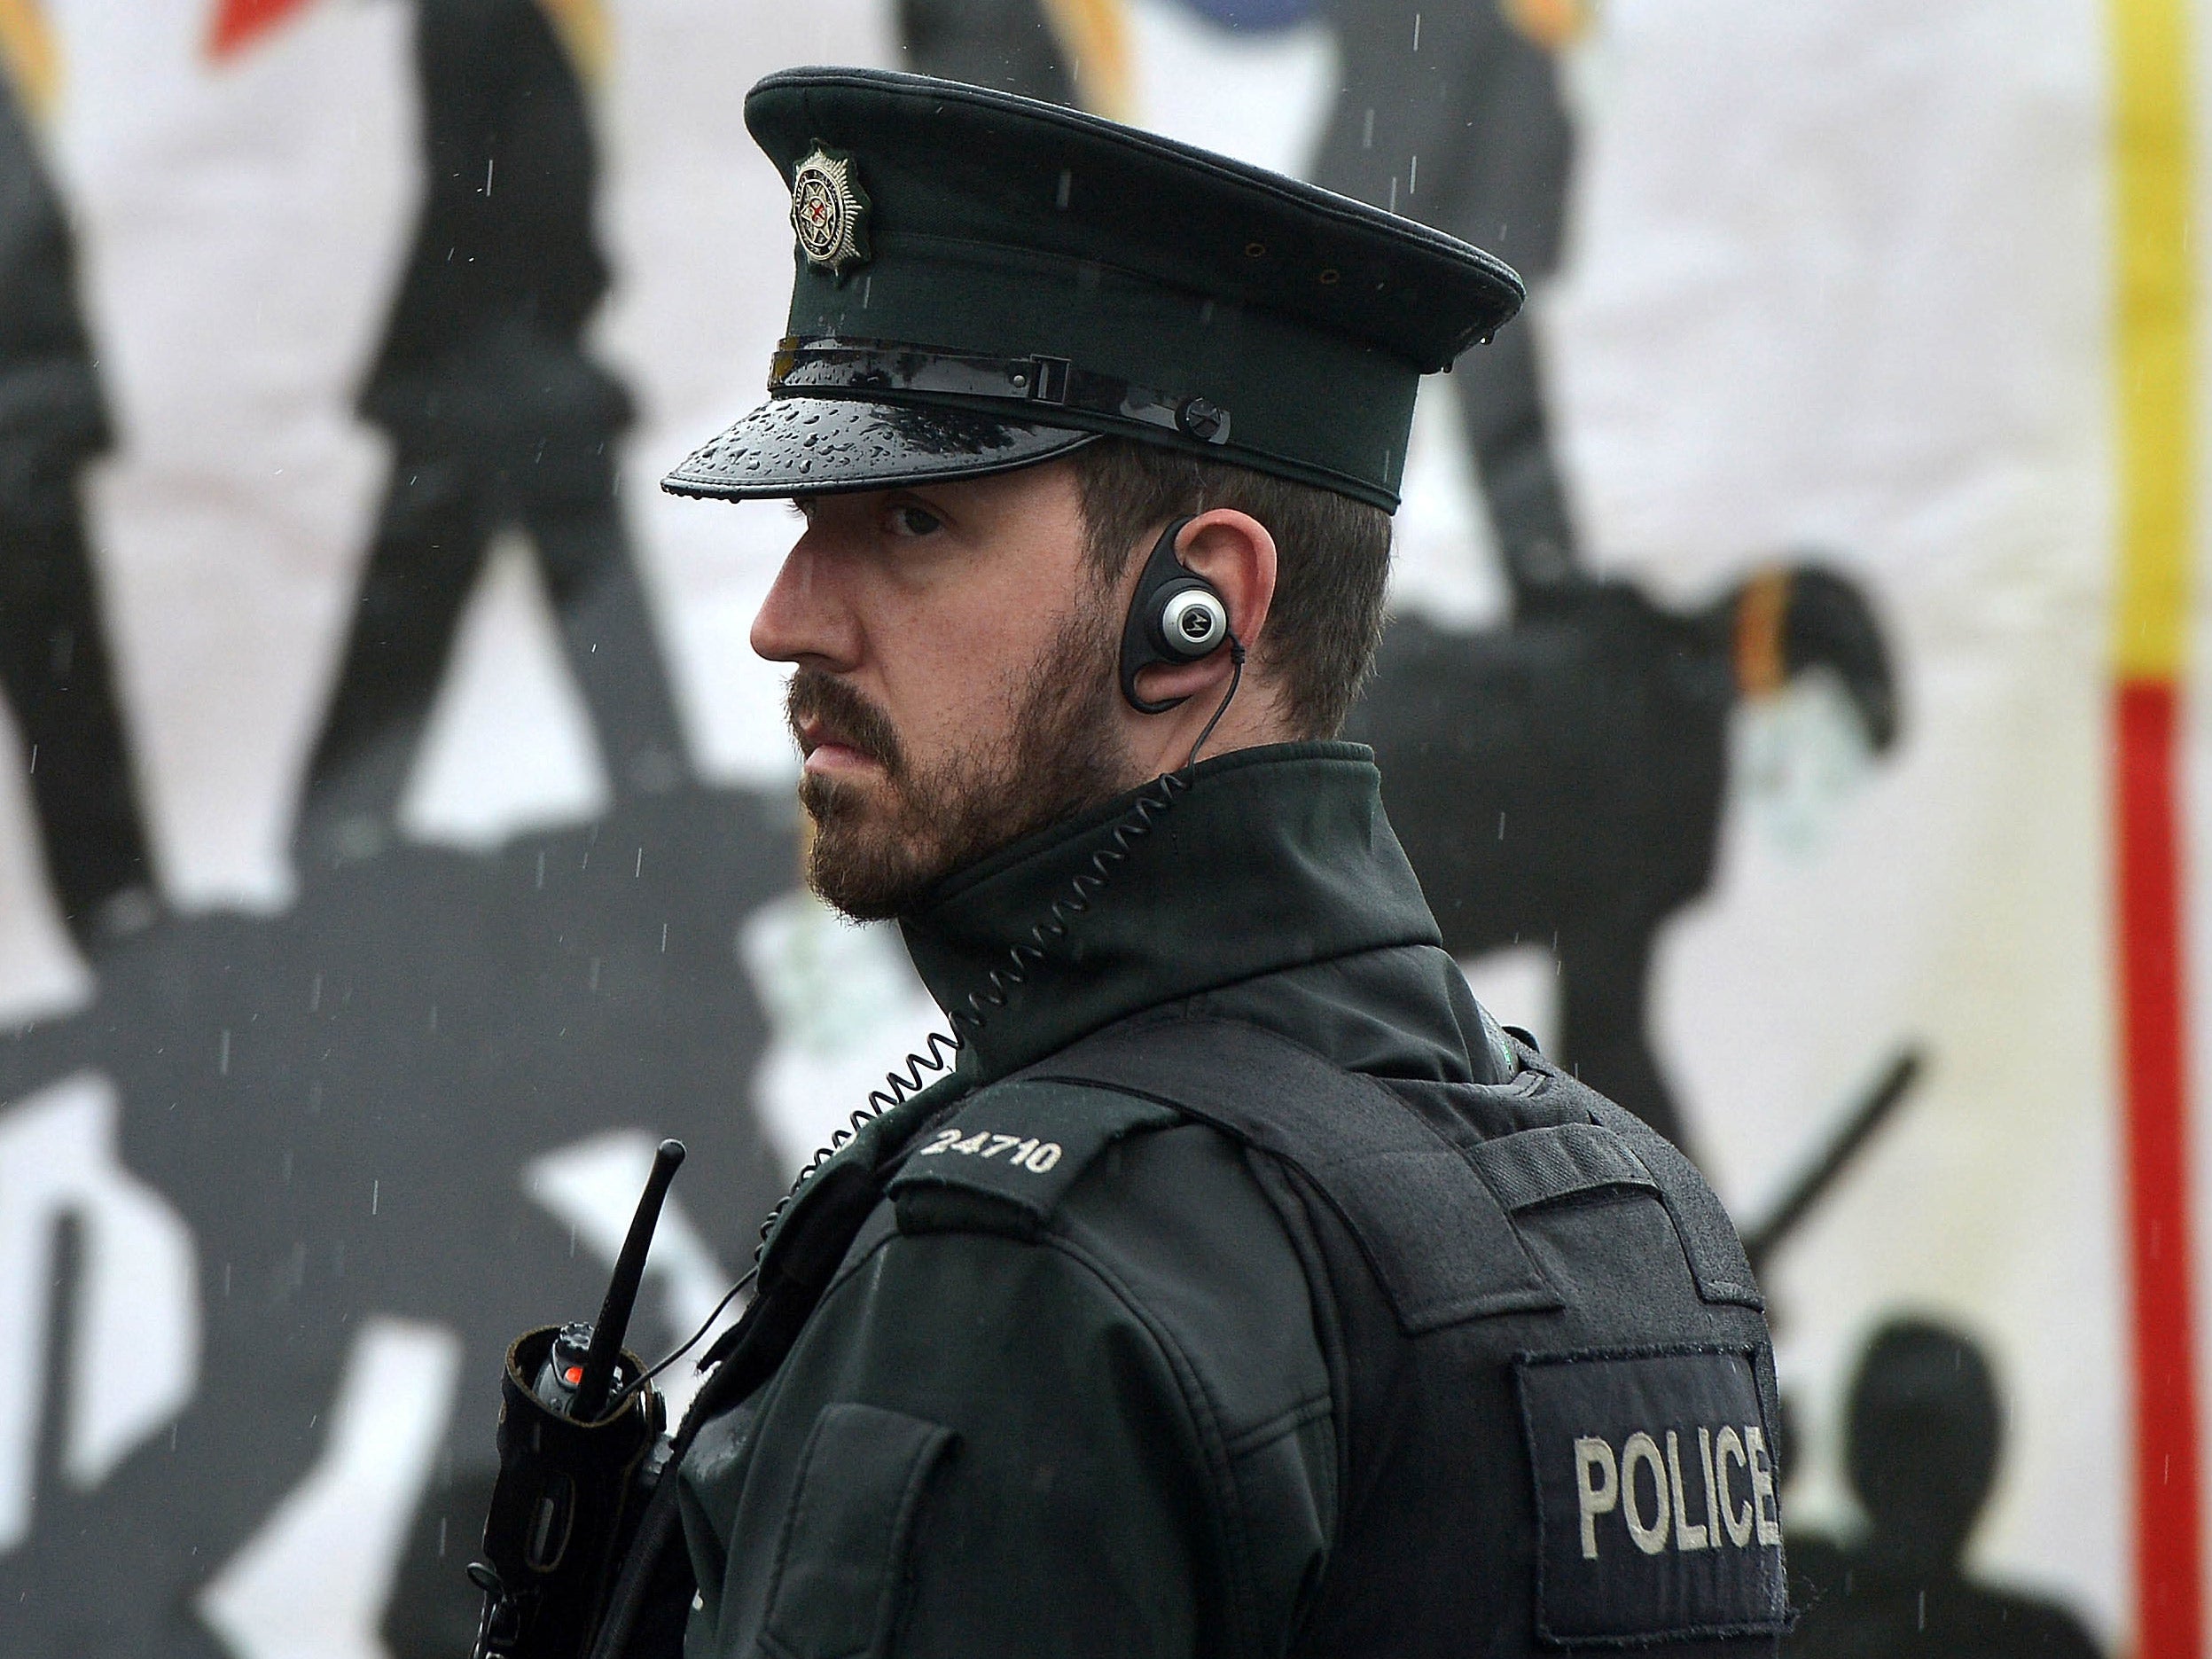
<point>1708,1238</point>
<point>1541,1166</point>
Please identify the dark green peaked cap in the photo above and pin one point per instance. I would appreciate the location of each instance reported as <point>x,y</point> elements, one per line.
<point>984,281</point>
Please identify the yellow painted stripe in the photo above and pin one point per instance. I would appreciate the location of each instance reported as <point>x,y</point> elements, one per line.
<point>583,29</point>
<point>1552,24</point>
<point>1094,36</point>
<point>29,55</point>
<point>2155,348</point>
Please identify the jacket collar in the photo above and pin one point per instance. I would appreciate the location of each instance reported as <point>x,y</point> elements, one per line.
<point>1249,863</point>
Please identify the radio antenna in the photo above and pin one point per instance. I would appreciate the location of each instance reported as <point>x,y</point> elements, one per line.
<point>621,1291</point>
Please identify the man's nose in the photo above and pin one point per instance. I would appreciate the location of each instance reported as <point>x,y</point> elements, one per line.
<point>804,618</point>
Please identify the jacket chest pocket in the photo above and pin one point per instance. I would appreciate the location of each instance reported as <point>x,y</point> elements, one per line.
<point>840,1561</point>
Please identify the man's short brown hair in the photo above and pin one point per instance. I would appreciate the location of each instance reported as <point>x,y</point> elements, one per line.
<point>1334,559</point>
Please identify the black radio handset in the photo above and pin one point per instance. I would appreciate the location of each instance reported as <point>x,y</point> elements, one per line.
<point>578,1425</point>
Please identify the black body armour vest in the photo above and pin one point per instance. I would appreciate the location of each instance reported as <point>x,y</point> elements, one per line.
<point>1554,1389</point>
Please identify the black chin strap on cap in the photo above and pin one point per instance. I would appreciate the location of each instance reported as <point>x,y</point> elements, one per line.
<point>1176,617</point>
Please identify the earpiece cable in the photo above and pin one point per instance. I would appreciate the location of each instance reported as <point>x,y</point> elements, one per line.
<point>690,1343</point>
<point>902,1082</point>
<point>939,1052</point>
<point>1236,679</point>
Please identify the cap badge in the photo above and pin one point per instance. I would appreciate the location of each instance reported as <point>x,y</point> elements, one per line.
<point>828,212</point>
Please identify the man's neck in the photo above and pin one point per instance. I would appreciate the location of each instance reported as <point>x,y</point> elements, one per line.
<point>1160,744</point>
<point>1269,857</point>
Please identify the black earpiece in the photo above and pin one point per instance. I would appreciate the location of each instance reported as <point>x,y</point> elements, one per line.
<point>1176,617</point>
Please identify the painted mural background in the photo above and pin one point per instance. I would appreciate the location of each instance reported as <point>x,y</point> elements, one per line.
<point>1746,710</point>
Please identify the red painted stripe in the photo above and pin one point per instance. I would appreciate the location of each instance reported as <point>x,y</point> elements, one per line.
<point>238,23</point>
<point>2154,1067</point>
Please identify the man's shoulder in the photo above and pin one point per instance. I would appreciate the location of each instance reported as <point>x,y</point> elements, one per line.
<point>1164,1217</point>
<point>1006,1159</point>
<point>1159,1110</point>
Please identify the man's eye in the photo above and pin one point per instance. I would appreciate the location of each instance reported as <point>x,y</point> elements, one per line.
<point>909,521</point>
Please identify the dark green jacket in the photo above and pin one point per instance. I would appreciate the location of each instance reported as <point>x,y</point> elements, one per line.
<point>1088,1412</point>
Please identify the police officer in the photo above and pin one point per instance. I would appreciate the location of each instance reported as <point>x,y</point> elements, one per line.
<point>1242,1288</point>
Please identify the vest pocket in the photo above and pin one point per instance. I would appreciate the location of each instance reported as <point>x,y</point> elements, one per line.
<point>841,1564</point>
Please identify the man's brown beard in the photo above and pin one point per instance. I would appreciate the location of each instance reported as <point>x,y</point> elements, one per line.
<point>876,853</point>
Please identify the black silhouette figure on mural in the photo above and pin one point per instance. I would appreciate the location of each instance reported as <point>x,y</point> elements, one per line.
<point>1593,729</point>
<point>1561,781</point>
<point>342,1103</point>
<point>498,419</point>
<point>1010,44</point>
<point>1448,114</point>
<point>1453,115</point>
<point>1925,1431</point>
<point>54,655</point>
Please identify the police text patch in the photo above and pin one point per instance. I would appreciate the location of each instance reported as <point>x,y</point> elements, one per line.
<point>1656,1513</point>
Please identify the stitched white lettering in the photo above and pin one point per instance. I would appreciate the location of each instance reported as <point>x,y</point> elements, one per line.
<point>1770,1522</point>
<point>1034,1155</point>
<point>1593,1453</point>
<point>1712,1501</point>
<point>1731,1444</point>
<point>1605,1484</point>
<point>1687,1537</point>
<point>1650,1535</point>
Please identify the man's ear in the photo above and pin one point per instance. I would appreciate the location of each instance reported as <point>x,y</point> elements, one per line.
<point>1236,554</point>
